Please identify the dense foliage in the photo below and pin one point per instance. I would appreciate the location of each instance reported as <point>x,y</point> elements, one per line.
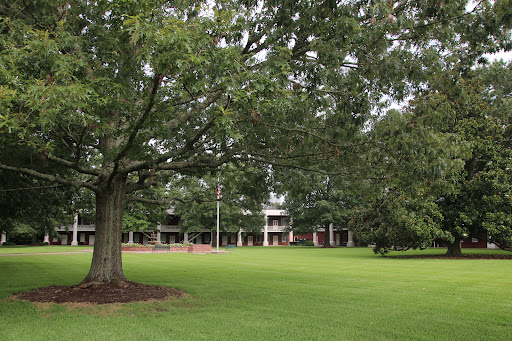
<point>314,202</point>
<point>473,202</point>
<point>397,222</point>
<point>128,94</point>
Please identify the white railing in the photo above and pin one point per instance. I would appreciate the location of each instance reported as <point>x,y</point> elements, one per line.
<point>276,228</point>
<point>169,228</point>
<point>90,227</point>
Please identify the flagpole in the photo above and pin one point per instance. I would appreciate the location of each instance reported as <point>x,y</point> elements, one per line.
<point>218,212</point>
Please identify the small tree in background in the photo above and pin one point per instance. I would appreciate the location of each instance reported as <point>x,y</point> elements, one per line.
<point>243,193</point>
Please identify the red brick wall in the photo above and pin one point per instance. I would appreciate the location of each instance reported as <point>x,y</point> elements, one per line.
<point>199,248</point>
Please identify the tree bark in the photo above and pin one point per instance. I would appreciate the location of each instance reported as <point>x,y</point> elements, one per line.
<point>106,266</point>
<point>454,249</point>
<point>214,238</point>
<point>327,240</point>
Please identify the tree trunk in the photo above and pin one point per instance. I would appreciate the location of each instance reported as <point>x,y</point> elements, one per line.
<point>106,266</point>
<point>327,240</point>
<point>214,238</point>
<point>454,249</point>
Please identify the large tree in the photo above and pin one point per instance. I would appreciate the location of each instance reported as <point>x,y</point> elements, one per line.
<point>412,164</point>
<point>470,114</point>
<point>128,93</point>
<point>480,205</point>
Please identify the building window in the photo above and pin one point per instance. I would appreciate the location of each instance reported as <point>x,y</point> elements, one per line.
<point>233,238</point>
<point>275,222</point>
<point>474,240</point>
<point>82,237</point>
<point>284,238</point>
<point>258,238</point>
<point>207,238</point>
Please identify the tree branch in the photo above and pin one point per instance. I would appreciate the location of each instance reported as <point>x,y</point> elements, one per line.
<point>73,165</point>
<point>164,157</point>
<point>48,177</point>
<point>167,200</point>
<point>295,166</point>
<point>29,188</point>
<point>157,79</point>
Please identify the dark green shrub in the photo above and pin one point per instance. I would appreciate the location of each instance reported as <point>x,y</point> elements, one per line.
<point>9,244</point>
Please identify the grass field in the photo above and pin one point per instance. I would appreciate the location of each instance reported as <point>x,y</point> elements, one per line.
<point>270,294</point>
<point>42,249</point>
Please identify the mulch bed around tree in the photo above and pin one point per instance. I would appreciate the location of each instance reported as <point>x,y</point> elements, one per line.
<point>100,294</point>
<point>466,256</point>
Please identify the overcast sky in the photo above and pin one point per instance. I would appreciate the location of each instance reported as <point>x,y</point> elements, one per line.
<point>506,56</point>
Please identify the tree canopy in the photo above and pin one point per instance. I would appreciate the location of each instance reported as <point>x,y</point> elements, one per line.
<point>470,109</point>
<point>314,201</point>
<point>127,94</point>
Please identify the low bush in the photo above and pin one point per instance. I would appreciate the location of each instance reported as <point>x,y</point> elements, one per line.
<point>9,244</point>
<point>181,244</point>
<point>135,245</point>
<point>42,243</point>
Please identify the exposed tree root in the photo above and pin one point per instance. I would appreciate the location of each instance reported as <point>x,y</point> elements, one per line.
<point>118,282</point>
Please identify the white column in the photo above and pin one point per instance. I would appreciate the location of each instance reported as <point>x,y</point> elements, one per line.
<point>185,237</point>
<point>3,238</point>
<point>46,238</point>
<point>331,234</point>
<point>350,242</point>
<point>265,232</point>
<point>290,237</point>
<point>315,239</point>
<point>130,237</point>
<point>158,233</point>
<point>74,242</point>
<point>239,239</point>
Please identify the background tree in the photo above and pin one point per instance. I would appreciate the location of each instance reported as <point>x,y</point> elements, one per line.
<point>316,201</point>
<point>480,206</point>
<point>129,93</point>
<point>30,208</point>
<point>243,193</point>
<point>411,163</point>
<point>468,116</point>
<point>397,222</point>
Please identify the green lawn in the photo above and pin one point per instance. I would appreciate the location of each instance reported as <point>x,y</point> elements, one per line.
<point>42,249</point>
<point>271,294</point>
